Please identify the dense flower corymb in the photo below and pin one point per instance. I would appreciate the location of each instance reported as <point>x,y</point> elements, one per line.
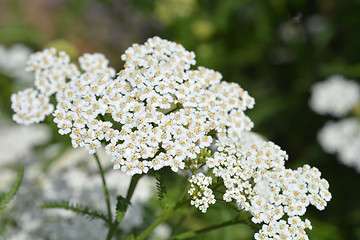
<point>158,112</point>
<point>256,179</point>
<point>30,106</point>
<point>155,113</point>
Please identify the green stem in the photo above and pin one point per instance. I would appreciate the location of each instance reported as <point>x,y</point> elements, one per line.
<point>165,216</point>
<point>131,189</point>
<point>106,192</point>
<point>130,192</point>
<point>182,219</point>
<point>209,228</point>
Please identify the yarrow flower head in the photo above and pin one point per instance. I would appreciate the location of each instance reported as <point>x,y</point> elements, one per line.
<point>30,106</point>
<point>52,70</point>
<point>201,194</point>
<point>256,179</point>
<point>155,113</point>
<point>336,96</point>
<point>158,112</point>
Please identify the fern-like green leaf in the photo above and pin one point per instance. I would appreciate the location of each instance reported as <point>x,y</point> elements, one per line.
<point>77,208</point>
<point>6,198</point>
<point>160,185</point>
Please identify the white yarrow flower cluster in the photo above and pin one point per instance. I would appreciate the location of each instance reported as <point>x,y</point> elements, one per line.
<point>30,106</point>
<point>201,194</point>
<point>157,112</point>
<point>292,228</point>
<point>336,96</point>
<point>256,179</point>
<point>52,69</point>
<point>51,73</point>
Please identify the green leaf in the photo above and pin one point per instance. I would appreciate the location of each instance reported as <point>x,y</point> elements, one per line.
<point>121,206</point>
<point>77,208</point>
<point>160,185</point>
<point>6,198</point>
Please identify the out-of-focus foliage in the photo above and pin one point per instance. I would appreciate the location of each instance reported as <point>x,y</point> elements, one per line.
<point>5,198</point>
<point>275,49</point>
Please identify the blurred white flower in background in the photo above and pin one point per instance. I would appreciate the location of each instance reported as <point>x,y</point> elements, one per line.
<point>17,141</point>
<point>316,24</point>
<point>163,231</point>
<point>74,177</point>
<point>343,138</point>
<point>13,62</point>
<point>336,96</point>
<point>339,97</point>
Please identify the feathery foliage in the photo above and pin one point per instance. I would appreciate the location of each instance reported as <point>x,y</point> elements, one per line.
<point>160,185</point>
<point>77,208</point>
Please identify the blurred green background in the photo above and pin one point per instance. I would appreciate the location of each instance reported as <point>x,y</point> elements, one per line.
<point>274,49</point>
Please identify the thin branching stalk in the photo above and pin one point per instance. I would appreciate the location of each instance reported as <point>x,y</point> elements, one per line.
<point>131,189</point>
<point>190,234</point>
<point>130,192</point>
<point>166,215</point>
<point>161,219</point>
<point>106,192</point>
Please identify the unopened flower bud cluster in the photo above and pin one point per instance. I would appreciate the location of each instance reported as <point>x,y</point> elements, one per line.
<point>339,97</point>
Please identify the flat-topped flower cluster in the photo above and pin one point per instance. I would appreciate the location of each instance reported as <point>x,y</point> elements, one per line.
<point>157,112</point>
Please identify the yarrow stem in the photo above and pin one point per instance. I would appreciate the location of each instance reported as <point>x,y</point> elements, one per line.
<point>106,192</point>
<point>166,215</point>
<point>134,180</point>
<point>189,234</point>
